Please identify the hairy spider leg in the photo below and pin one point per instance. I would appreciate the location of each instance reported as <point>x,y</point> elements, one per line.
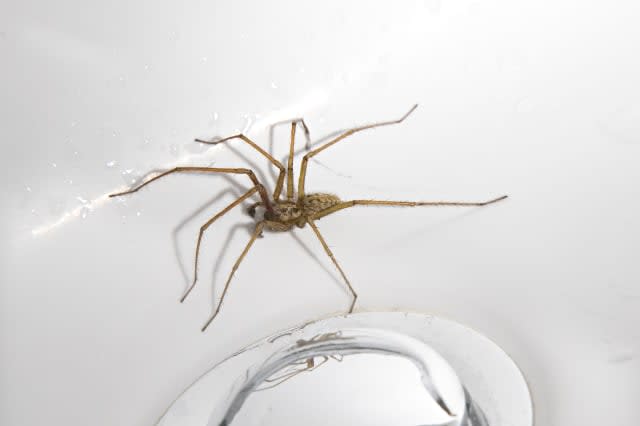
<point>204,227</point>
<point>290,187</point>
<point>305,159</point>
<point>263,193</point>
<point>290,163</point>
<point>335,262</point>
<point>256,232</point>
<point>279,182</point>
<point>347,204</point>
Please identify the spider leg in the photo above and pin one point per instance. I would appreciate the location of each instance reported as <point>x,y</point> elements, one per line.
<point>279,182</point>
<point>290,163</point>
<point>308,363</point>
<point>204,227</point>
<point>305,159</point>
<point>292,121</point>
<point>311,365</point>
<point>256,232</point>
<point>249,173</point>
<point>335,262</point>
<point>347,204</point>
<point>290,187</point>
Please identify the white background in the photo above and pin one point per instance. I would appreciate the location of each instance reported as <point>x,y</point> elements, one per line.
<point>539,100</point>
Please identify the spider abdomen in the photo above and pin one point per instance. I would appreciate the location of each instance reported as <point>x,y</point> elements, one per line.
<point>315,203</point>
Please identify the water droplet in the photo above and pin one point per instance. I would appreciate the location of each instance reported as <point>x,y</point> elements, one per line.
<point>84,212</point>
<point>215,116</point>
<point>70,181</point>
<point>524,105</point>
<point>86,206</point>
<point>196,148</point>
<point>28,188</point>
<point>138,214</point>
<point>146,144</point>
<point>112,163</point>
<point>302,70</point>
<point>54,165</point>
<point>126,175</point>
<point>130,177</point>
<point>33,211</point>
<point>114,134</point>
<point>75,152</point>
<point>274,85</point>
<point>204,59</point>
<point>146,67</point>
<point>433,6</point>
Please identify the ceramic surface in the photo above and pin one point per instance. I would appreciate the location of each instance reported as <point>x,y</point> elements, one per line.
<point>538,100</point>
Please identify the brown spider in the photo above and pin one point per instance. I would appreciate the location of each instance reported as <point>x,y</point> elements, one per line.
<point>281,215</point>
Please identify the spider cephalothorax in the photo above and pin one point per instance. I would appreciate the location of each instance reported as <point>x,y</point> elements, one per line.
<point>299,209</point>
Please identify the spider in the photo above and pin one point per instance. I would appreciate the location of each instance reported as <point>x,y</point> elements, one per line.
<point>293,210</point>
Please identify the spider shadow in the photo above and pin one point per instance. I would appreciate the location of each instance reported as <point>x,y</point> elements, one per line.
<point>248,228</point>
<point>314,256</point>
<point>234,190</point>
<point>432,227</point>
